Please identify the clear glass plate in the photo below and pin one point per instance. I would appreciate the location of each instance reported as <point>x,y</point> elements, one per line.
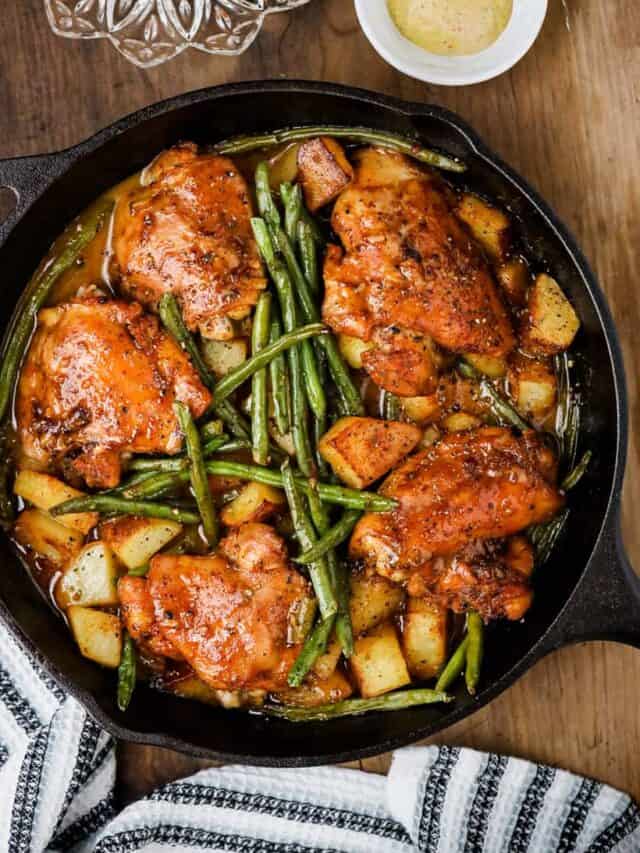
<point>149,32</point>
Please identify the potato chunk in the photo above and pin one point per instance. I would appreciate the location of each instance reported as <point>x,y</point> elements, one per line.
<point>361,450</point>
<point>377,662</point>
<point>461,421</point>
<point>91,580</point>
<point>424,637</point>
<point>46,537</point>
<point>323,171</point>
<point>136,540</point>
<point>551,322</point>
<point>490,366</point>
<point>533,387</point>
<point>45,491</point>
<point>352,350</point>
<point>374,600</point>
<point>254,503</point>
<point>422,410</point>
<point>489,226</point>
<point>98,634</point>
<point>223,356</point>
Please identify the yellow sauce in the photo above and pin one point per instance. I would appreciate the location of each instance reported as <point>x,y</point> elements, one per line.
<point>451,27</point>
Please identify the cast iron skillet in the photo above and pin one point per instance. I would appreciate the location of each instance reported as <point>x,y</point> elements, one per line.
<point>587,590</point>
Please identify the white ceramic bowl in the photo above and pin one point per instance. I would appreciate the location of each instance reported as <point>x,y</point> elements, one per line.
<point>521,32</point>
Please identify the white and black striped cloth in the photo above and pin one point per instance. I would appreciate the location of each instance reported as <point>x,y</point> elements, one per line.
<point>57,772</point>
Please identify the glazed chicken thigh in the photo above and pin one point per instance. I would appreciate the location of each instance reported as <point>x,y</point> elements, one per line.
<point>477,485</point>
<point>186,230</point>
<point>99,380</point>
<point>408,272</point>
<point>229,614</point>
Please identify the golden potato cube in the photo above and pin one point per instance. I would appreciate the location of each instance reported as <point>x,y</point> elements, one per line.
<point>429,436</point>
<point>533,387</point>
<point>352,350</point>
<point>461,421</point>
<point>361,450</point>
<point>283,166</point>
<point>374,600</point>
<point>45,491</point>
<point>316,691</point>
<point>254,503</point>
<point>323,171</point>
<point>98,634</point>
<point>39,532</point>
<point>223,356</point>
<point>135,540</point>
<point>489,226</point>
<point>515,279</point>
<point>489,365</point>
<point>377,663</point>
<point>551,322</point>
<point>424,637</point>
<point>422,410</point>
<point>91,580</point>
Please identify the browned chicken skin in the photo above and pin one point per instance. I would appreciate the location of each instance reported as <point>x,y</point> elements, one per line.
<point>482,484</point>
<point>228,614</point>
<point>187,231</point>
<point>100,379</point>
<point>409,271</point>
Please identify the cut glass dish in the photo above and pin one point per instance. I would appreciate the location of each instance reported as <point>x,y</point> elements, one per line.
<point>149,32</point>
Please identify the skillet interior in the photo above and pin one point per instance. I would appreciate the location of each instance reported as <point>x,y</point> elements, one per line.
<point>215,114</point>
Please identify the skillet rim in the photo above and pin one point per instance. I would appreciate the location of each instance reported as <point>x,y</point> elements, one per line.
<point>64,159</point>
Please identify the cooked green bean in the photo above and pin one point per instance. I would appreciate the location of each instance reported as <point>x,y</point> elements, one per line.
<point>292,198</point>
<point>351,707</point>
<point>301,621</point>
<point>233,420</point>
<point>7,512</point>
<point>455,666</point>
<point>210,430</point>
<point>315,645</point>
<point>121,506</point>
<point>305,534</point>
<point>282,283</point>
<point>392,407</point>
<point>279,382</point>
<point>126,673</point>
<point>176,463</point>
<point>228,384</point>
<point>155,486</point>
<point>319,429</point>
<point>381,138</point>
<point>368,501</point>
<point>332,538</point>
<point>266,205</point>
<point>475,649</point>
<point>76,237</point>
<point>545,536</point>
<point>573,477</point>
<point>308,256</point>
<point>259,407</point>
<point>500,408</point>
<point>351,400</point>
<point>315,230</point>
<point>171,317</point>
<point>198,474</point>
<point>139,571</point>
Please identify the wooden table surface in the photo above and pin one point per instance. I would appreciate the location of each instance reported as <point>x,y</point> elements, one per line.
<point>567,118</point>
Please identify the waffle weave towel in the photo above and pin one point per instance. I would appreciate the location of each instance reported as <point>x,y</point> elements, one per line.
<point>57,773</point>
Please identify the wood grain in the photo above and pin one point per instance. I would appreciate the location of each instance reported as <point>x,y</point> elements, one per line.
<point>567,118</point>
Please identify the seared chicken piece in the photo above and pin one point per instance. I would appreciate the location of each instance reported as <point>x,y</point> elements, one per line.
<point>187,231</point>
<point>99,380</point>
<point>229,614</point>
<point>481,484</point>
<point>490,576</point>
<point>408,271</point>
<point>138,616</point>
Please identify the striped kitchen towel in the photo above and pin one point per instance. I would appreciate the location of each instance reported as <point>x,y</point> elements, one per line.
<point>57,774</point>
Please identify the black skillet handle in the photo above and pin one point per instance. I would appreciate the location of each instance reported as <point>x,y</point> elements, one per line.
<point>606,604</point>
<point>27,178</point>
